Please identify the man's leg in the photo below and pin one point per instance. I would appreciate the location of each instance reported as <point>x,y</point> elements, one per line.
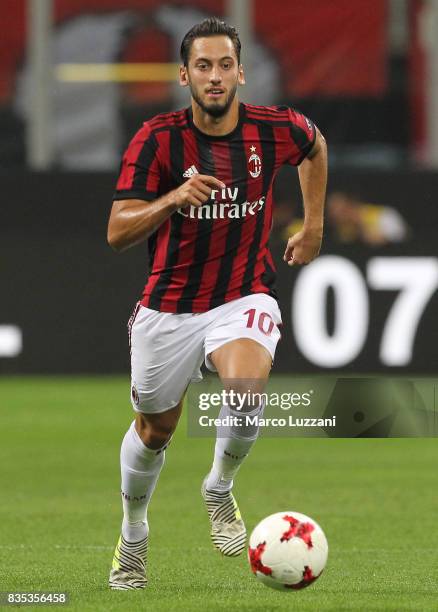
<point>166,353</point>
<point>243,366</point>
<point>141,458</point>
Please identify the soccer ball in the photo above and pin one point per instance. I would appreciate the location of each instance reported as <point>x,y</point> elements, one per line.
<point>287,550</point>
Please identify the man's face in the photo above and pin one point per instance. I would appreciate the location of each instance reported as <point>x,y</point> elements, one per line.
<point>212,74</point>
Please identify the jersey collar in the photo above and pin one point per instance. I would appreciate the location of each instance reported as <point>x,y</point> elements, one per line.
<point>228,136</point>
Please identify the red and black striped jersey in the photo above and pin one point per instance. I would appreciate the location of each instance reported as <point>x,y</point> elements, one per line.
<point>200,258</point>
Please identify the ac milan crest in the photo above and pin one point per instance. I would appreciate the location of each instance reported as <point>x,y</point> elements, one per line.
<point>254,163</point>
<point>134,395</point>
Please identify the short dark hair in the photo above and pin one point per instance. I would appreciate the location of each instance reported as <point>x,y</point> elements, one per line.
<point>212,26</point>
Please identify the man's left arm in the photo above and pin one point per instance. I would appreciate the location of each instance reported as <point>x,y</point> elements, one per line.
<point>304,246</point>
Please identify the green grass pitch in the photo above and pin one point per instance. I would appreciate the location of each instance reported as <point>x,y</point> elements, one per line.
<point>60,510</point>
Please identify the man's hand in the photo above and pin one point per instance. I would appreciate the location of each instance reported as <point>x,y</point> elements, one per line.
<point>196,191</point>
<point>132,221</point>
<point>303,246</point>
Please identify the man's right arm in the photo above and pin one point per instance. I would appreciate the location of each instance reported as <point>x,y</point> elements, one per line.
<point>133,221</point>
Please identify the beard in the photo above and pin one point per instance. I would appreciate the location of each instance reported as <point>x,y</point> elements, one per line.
<point>214,109</point>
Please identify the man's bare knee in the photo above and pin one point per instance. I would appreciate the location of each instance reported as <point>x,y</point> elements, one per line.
<point>155,430</point>
<point>153,433</point>
<point>243,358</point>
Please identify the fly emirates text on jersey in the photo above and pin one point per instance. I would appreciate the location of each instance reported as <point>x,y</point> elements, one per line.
<point>228,208</point>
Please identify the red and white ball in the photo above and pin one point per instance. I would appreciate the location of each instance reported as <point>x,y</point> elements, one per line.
<point>287,550</point>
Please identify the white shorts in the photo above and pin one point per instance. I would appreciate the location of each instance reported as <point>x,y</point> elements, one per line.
<point>167,350</point>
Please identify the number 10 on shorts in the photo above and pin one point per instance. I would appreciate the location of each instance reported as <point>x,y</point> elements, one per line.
<point>264,321</point>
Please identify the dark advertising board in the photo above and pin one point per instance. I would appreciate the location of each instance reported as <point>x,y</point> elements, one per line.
<point>66,296</point>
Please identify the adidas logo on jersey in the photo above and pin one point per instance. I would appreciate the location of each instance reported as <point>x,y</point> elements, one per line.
<point>190,172</point>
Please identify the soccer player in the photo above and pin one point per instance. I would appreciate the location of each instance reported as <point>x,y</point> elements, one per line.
<point>197,184</point>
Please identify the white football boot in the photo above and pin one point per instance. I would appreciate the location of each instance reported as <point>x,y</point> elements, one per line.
<point>228,531</point>
<point>129,565</point>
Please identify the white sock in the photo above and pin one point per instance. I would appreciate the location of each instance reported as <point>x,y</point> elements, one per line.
<point>140,468</point>
<point>232,446</point>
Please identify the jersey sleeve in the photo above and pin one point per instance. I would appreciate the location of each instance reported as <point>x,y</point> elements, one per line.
<point>139,175</point>
<point>302,134</point>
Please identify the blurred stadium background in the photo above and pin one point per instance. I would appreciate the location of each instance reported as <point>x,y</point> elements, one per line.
<point>77,78</point>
